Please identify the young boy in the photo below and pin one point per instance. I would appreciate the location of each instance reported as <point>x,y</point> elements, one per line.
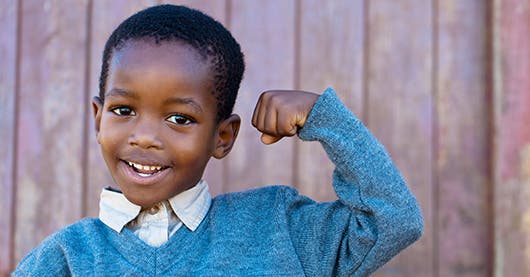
<point>168,83</point>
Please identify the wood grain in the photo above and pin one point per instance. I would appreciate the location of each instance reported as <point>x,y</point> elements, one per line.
<point>399,109</point>
<point>463,150</point>
<point>331,42</point>
<point>8,52</point>
<point>265,31</point>
<point>53,45</point>
<point>215,9</point>
<point>512,137</point>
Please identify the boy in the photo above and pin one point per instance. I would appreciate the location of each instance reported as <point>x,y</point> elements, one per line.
<point>169,80</point>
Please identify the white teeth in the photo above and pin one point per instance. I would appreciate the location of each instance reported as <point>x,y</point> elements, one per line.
<point>144,167</point>
<point>144,175</point>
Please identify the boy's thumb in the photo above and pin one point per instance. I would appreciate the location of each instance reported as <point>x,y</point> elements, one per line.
<point>268,139</point>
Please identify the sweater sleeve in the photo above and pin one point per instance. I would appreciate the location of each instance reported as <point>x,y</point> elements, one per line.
<point>375,217</point>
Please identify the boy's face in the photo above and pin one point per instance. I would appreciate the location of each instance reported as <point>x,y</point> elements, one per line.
<point>157,126</point>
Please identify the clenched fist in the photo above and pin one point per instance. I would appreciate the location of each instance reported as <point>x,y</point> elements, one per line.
<point>280,113</point>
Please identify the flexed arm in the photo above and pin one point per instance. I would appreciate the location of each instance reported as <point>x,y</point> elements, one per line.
<point>376,215</point>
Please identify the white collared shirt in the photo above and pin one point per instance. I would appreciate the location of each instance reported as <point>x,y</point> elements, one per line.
<point>157,224</point>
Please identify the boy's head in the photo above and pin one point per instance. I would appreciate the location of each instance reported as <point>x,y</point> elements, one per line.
<point>169,80</point>
<point>208,37</point>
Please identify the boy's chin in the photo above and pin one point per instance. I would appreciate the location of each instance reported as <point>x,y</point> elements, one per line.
<point>146,199</point>
<point>141,200</point>
<point>144,203</point>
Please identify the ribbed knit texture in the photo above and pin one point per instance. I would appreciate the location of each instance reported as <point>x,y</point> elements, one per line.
<point>267,231</point>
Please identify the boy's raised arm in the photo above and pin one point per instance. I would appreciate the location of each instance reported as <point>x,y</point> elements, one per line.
<point>376,215</point>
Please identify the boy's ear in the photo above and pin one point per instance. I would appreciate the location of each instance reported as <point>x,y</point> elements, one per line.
<point>226,135</point>
<point>97,107</point>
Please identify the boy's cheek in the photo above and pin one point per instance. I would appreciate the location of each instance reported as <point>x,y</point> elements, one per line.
<point>109,134</point>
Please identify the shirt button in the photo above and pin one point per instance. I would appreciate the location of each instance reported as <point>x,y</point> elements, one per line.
<point>153,210</point>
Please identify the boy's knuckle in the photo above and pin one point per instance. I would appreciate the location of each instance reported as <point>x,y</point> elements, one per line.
<point>266,93</point>
<point>270,130</point>
<point>276,100</point>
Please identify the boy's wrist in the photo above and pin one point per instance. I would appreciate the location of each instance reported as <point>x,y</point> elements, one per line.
<point>327,111</point>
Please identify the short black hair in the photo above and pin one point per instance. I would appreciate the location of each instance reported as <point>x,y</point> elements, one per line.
<point>178,23</point>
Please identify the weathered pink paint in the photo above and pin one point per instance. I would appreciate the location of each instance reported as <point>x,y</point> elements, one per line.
<point>463,229</point>
<point>515,84</point>
<point>399,109</point>
<point>321,25</point>
<point>8,48</point>
<point>512,138</point>
<point>266,33</point>
<point>49,157</point>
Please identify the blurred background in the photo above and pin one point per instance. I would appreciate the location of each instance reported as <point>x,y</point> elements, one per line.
<point>444,84</point>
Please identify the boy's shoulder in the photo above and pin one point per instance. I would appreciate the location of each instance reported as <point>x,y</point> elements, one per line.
<point>272,196</point>
<point>250,210</point>
<point>78,230</point>
<point>85,225</point>
<point>51,250</point>
<point>253,194</point>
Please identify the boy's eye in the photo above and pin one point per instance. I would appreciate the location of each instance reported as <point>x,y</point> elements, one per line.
<point>179,119</point>
<point>123,111</point>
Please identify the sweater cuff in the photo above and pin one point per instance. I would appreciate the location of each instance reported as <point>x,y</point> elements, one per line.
<point>327,112</point>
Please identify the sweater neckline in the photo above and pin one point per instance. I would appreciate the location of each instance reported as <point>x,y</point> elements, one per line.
<point>139,253</point>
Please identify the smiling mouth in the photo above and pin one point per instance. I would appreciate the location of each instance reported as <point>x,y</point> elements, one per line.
<point>145,170</point>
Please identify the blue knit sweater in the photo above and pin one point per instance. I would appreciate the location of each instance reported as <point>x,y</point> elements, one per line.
<point>266,231</point>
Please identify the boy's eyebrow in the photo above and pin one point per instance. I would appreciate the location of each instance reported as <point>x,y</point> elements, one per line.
<point>187,101</point>
<point>117,92</point>
<point>121,92</point>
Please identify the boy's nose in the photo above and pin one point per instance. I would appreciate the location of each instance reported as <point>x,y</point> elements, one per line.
<point>145,135</point>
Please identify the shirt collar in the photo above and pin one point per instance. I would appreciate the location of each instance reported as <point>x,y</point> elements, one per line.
<point>191,206</point>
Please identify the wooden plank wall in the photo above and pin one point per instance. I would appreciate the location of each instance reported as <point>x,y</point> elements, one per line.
<point>8,87</point>
<point>511,161</point>
<point>399,107</point>
<point>443,84</point>
<point>463,139</point>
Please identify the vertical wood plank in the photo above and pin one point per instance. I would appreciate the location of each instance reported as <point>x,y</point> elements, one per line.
<point>265,31</point>
<point>399,109</point>
<point>106,16</point>
<point>331,54</point>
<point>512,142</point>
<point>51,119</point>
<point>214,173</point>
<point>8,52</point>
<point>215,9</point>
<point>464,238</point>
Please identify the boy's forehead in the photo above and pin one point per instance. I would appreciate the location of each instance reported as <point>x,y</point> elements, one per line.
<point>147,66</point>
<point>160,58</point>
<point>144,50</point>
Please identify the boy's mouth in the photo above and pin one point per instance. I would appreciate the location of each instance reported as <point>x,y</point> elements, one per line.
<point>145,170</point>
